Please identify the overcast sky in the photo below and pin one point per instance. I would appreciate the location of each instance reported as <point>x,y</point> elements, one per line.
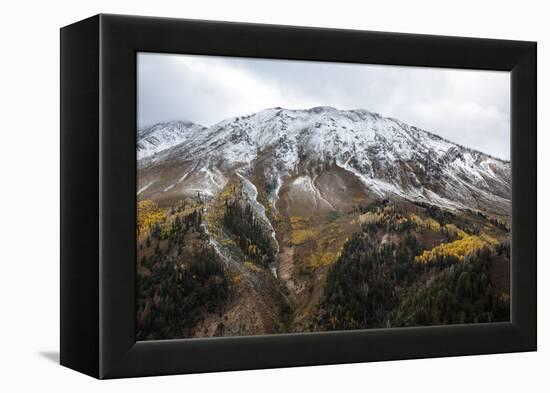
<point>468,107</point>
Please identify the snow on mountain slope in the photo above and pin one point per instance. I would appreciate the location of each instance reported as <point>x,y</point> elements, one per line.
<point>161,136</point>
<point>388,157</point>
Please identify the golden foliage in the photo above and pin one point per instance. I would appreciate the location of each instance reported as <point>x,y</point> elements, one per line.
<point>460,248</point>
<point>297,220</point>
<point>326,240</point>
<point>252,266</point>
<point>229,191</point>
<point>428,223</point>
<point>390,215</point>
<point>416,219</point>
<point>371,218</point>
<point>453,230</point>
<point>432,224</point>
<point>148,214</point>
<point>270,210</point>
<point>228,243</point>
<point>213,218</point>
<point>301,231</point>
<point>390,209</point>
<point>323,258</point>
<point>329,245</point>
<point>300,236</point>
<point>489,239</point>
<point>235,278</point>
<point>274,215</point>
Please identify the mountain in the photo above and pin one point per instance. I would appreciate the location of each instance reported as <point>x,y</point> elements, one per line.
<point>161,136</point>
<point>321,219</point>
<point>321,153</point>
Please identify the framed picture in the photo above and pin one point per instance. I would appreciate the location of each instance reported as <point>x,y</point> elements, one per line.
<point>239,196</point>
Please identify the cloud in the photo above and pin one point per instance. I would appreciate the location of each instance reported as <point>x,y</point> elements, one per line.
<point>203,89</point>
<point>465,106</point>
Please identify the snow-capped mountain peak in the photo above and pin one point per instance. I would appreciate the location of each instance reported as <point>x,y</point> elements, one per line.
<point>387,156</point>
<point>161,136</point>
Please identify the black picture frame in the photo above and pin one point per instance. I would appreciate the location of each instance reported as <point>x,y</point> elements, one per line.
<point>98,196</point>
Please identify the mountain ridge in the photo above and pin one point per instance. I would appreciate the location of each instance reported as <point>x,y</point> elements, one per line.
<point>161,136</point>
<point>387,155</point>
<point>143,130</point>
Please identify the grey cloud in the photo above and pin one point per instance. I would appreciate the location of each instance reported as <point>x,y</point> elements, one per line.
<point>467,107</point>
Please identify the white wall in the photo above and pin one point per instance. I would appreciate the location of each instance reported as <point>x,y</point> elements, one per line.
<point>29,219</point>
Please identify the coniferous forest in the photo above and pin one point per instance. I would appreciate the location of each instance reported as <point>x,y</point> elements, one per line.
<point>370,287</point>
<point>180,280</point>
<point>250,234</point>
